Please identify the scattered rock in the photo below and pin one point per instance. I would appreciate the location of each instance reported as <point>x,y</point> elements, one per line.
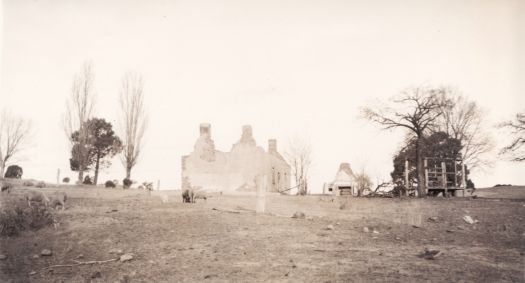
<point>430,254</point>
<point>123,279</point>
<point>35,257</point>
<point>32,273</point>
<point>299,214</point>
<point>375,231</point>
<point>3,257</point>
<point>80,256</point>
<point>126,257</point>
<point>469,219</point>
<point>432,219</point>
<point>96,275</point>
<point>116,251</point>
<point>46,252</point>
<point>337,223</point>
<point>415,226</point>
<point>365,229</point>
<point>450,231</point>
<point>330,227</point>
<point>397,238</point>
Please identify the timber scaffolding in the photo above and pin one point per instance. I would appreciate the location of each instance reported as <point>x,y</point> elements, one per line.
<point>443,175</point>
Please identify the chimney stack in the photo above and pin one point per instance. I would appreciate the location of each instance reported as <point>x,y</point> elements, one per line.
<point>272,145</point>
<point>205,129</point>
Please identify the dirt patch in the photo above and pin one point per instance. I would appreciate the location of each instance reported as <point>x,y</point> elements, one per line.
<point>173,241</point>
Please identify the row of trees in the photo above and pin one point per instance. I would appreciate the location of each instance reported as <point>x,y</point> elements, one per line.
<point>93,141</point>
<point>440,122</point>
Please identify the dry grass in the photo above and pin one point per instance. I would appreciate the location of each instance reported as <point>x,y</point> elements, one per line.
<point>175,242</point>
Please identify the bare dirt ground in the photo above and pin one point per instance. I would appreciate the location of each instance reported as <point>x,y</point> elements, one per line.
<point>223,240</point>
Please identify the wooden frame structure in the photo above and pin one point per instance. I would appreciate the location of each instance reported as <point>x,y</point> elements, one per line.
<point>445,175</point>
<point>442,175</point>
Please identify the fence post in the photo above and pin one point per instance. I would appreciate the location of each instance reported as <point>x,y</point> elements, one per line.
<point>261,193</point>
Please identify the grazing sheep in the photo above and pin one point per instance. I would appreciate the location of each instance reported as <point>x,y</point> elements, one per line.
<point>199,195</point>
<point>39,197</point>
<point>57,199</point>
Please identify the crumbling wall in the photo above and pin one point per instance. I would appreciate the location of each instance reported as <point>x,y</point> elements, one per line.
<point>209,169</point>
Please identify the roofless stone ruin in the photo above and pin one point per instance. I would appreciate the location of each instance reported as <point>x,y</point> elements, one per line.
<point>209,169</point>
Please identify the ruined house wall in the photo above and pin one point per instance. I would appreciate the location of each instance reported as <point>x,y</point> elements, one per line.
<point>209,169</point>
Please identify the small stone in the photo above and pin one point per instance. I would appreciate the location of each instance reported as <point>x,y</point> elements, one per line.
<point>299,214</point>
<point>330,227</point>
<point>46,252</point>
<point>337,223</point>
<point>375,231</point>
<point>415,226</point>
<point>116,251</point>
<point>126,257</point>
<point>32,273</point>
<point>432,219</point>
<point>96,275</point>
<point>35,257</point>
<point>3,257</point>
<point>397,238</point>
<point>365,229</point>
<point>469,219</point>
<point>450,231</point>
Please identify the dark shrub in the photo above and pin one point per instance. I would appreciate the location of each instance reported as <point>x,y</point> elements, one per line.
<point>14,220</point>
<point>66,180</point>
<point>14,171</point>
<point>470,184</point>
<point>41,184</point>
<point>6,186</point>
<point>110,184</point>
<point>87,180</point>
<point>126,183</point>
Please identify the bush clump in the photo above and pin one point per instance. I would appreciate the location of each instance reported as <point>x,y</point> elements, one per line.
<point>15,220</point>
<point>66,180</point>
<point>87,180</point>
<point>126,183</point>
<point>40,184</point>
<point>110,184</point>
<point>14,171</point>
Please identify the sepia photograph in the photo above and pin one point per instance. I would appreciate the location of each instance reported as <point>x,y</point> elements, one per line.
<point>262,141</point>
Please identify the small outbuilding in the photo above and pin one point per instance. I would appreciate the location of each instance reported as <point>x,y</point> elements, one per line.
<point>344,182</point>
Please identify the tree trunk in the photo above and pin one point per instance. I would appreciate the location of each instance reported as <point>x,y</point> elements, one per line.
<point>80,176</point>
<point>2,168</point>
<point>95,180</point>
<point>128,173</point>
<point>421,188</point>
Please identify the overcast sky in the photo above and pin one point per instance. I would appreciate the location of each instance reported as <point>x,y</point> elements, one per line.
<point>288,68</point>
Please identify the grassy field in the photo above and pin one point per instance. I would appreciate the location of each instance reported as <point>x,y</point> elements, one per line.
<point>223,239</point>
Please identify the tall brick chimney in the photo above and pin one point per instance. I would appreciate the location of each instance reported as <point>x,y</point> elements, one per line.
<point>205,129</point>
<point>272,145</point>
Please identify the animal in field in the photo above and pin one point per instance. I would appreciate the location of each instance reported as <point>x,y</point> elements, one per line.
<point>187,196</point>
<point>36,197</point>
<point>58,199</point>
<point>199,195</point>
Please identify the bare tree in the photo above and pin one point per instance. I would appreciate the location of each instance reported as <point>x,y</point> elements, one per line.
<point>79,109</point>
<point>416,110</point>
<point>515,149</point>
<point>363,181</point>
<point>299,156</point>
<point>463,120</point>
<point>133,120</point>
<point>14,133</point>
